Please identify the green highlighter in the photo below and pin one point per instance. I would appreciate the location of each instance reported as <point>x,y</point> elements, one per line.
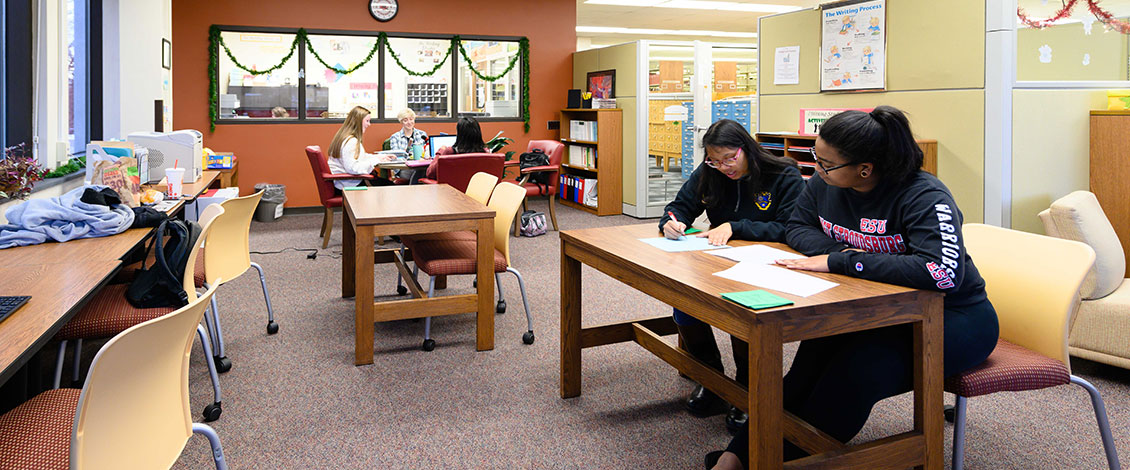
<point>756,299</point>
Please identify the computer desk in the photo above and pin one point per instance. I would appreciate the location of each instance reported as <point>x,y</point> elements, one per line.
<point>686,281</point>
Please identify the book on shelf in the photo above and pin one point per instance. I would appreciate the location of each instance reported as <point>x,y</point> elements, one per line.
<point>576,189</point>
<point>582,156</point>
<point>582,130</point>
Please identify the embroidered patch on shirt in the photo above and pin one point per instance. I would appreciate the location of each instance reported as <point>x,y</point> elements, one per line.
<point>764,200</point>
<point>859,267</point>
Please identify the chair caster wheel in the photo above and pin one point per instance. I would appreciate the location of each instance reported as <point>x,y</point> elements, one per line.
<point>212,412</point>
<point>223,364</point>
<point>272,327</point>
<point>401,290</point>
<point>501,307</point>
<point>950,413</point>
<point>429,344</point>
<point>528,337</point>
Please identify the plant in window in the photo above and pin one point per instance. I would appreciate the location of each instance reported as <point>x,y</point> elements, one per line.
<point>72,165</point>
<point>18,172</point>
<point>497,143</point>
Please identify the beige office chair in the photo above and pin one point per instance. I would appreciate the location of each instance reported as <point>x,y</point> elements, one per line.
<point>455,254</point>
<point>130,413</point>
<point>1035,298</point>
<point>227,255</point>
<point>109,313</point>
<point>1100,329</point>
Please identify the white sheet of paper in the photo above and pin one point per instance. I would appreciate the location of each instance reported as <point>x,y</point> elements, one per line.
<point>689,243</point>
<point>779,279</point>
<point>786,65</point>
<point>759,254</point>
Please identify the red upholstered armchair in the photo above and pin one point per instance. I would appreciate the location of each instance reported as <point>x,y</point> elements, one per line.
<point>556,151</point>
<point>329,196</point>
<point>456,170</point>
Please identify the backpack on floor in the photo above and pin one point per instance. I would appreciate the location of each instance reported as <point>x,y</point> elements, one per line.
<point>161,285</point>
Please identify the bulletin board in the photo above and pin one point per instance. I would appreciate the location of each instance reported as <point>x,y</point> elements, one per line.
<point>853,40</point>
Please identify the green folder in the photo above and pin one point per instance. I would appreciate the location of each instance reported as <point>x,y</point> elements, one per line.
<point>756,299</point>
<point>355,188</point>
<point>691,231</point>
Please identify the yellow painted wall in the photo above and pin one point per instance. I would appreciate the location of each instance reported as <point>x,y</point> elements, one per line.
<point>936,73</point>
<point>1068,44</point>
<point>1050,150</point>
<point>622,59</point>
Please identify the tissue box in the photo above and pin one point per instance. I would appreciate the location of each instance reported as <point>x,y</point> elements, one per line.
<point>193,209</point>
<point>1117,100</point>
<point>220,161</point>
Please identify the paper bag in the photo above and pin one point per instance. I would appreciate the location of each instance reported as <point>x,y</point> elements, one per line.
<point>121,176</point>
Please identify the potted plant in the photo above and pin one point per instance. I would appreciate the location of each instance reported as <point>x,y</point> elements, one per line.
<point>497,143</point>
<point>18,172</point>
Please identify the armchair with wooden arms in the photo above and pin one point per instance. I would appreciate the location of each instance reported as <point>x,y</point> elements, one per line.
<point>323,179</point>
<point>456,170</point>
<point>556,151</point>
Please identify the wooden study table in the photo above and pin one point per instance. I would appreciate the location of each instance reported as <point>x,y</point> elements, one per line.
<point>408,210</point>
<point>686,281</point>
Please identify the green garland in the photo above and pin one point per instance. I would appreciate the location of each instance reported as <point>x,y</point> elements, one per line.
<point>216,41</point>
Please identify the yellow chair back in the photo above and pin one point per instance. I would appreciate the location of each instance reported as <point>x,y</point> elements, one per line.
<point>133,412</point>
<point>1033,282</point>
<point>228,253</point>
<point>481,186</point>
<point>505,201</point>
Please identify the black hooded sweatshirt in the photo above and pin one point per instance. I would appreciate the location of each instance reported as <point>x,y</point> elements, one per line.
<point>760,216</point>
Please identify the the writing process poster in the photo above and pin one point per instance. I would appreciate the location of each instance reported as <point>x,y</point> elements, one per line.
<point>853,46</point>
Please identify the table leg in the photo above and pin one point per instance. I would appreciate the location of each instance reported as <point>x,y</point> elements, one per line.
<point>363,314</point>
<point>485,255</point>
<point>928,370</point>
<point>570,326</point>
<point>348,236</point>
<point>766,446</point>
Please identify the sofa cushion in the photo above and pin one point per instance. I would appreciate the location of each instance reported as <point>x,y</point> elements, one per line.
<point>1078,216</point>
<point>1101,324</point>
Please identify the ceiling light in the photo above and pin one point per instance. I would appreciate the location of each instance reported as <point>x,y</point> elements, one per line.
<point>699,5</point>
<point>663,32</point>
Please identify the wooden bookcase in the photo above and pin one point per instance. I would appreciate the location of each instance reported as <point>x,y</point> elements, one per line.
<point>797,147</point>
<point>609,146</point>
<point>1110,170</point>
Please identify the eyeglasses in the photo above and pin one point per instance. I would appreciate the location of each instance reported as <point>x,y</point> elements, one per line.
<point>820,162</point>
<point>727,162</point>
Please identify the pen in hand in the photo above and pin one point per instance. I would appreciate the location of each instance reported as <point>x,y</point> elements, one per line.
<point>680,232</point>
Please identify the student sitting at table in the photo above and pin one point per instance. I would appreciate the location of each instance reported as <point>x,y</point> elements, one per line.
<point>874,214</point>
<point>406,138</point>
<point>468,139</point>
<point>347,154</point>
<point>748,194</point>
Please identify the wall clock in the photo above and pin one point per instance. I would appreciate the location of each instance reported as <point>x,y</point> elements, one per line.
<point>383,10</point>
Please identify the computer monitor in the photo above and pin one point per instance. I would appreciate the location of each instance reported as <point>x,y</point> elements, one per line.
<point>437,142</point>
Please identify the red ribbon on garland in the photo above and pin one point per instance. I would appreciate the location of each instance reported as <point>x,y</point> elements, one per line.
<point>1093,5</point>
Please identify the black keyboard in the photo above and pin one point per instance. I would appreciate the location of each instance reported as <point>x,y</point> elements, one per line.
<point>10,303</point>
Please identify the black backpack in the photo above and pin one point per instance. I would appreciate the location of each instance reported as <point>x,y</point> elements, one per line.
<point>161,285</point>
<point>535,157</point>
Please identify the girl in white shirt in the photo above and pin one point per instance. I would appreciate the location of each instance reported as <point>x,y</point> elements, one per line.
<point>347,154</point>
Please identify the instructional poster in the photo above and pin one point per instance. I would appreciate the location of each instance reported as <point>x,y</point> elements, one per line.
<point>853,46</point>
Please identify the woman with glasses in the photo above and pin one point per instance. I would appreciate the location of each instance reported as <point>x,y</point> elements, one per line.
<point>748,194</point>
<point>874,214</point>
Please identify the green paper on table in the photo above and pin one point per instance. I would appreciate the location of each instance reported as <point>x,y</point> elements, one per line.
<point>356,188</point>
<point>756,299</point>
<point>691,230</point>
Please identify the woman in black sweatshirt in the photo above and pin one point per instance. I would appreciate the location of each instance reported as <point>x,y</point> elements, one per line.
<point>748,194</point>
<point>874,214</point>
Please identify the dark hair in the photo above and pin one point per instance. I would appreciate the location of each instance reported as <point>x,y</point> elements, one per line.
<point>760,163</point>
<point>881,138</point>
<point>468,136</point>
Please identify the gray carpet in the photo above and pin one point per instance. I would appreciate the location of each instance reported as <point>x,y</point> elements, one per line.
<point>295,399</point>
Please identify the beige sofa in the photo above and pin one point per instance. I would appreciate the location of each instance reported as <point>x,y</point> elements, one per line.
<point>1101,329</point>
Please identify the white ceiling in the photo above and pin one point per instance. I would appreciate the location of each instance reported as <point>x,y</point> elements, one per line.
<point>671,18</point>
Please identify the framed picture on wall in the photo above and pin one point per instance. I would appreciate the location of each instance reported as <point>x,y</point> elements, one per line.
<point>166,54</point>
<point>602,84</point>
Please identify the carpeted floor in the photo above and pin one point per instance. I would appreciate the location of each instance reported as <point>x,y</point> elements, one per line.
<point>296,401</point>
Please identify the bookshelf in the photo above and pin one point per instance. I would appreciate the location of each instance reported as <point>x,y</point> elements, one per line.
<point>1110,169</point>
<point>607,162</point>
<point>797,147</point>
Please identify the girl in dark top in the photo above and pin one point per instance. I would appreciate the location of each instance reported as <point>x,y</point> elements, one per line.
<point>468,139</point>
<point>873,214</point>
<point>748,194</point>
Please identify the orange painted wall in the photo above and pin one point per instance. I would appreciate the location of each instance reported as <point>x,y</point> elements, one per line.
<point>274,152</point>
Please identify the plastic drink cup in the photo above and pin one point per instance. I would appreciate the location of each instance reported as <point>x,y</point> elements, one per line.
<point>417,151</point>
<point>175,178</point>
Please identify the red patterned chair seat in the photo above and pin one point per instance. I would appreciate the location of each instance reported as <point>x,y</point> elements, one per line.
<point>108,314</point>
<point>1010,368</point>
<point>198,271</point>
<point>444,257</point>
<point>37,434</point>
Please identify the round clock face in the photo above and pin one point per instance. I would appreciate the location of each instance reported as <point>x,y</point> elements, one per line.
<point>383,10</point>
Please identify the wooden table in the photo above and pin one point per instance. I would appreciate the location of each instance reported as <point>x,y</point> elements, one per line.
<point>407,210</point>
<point>686,281</point>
